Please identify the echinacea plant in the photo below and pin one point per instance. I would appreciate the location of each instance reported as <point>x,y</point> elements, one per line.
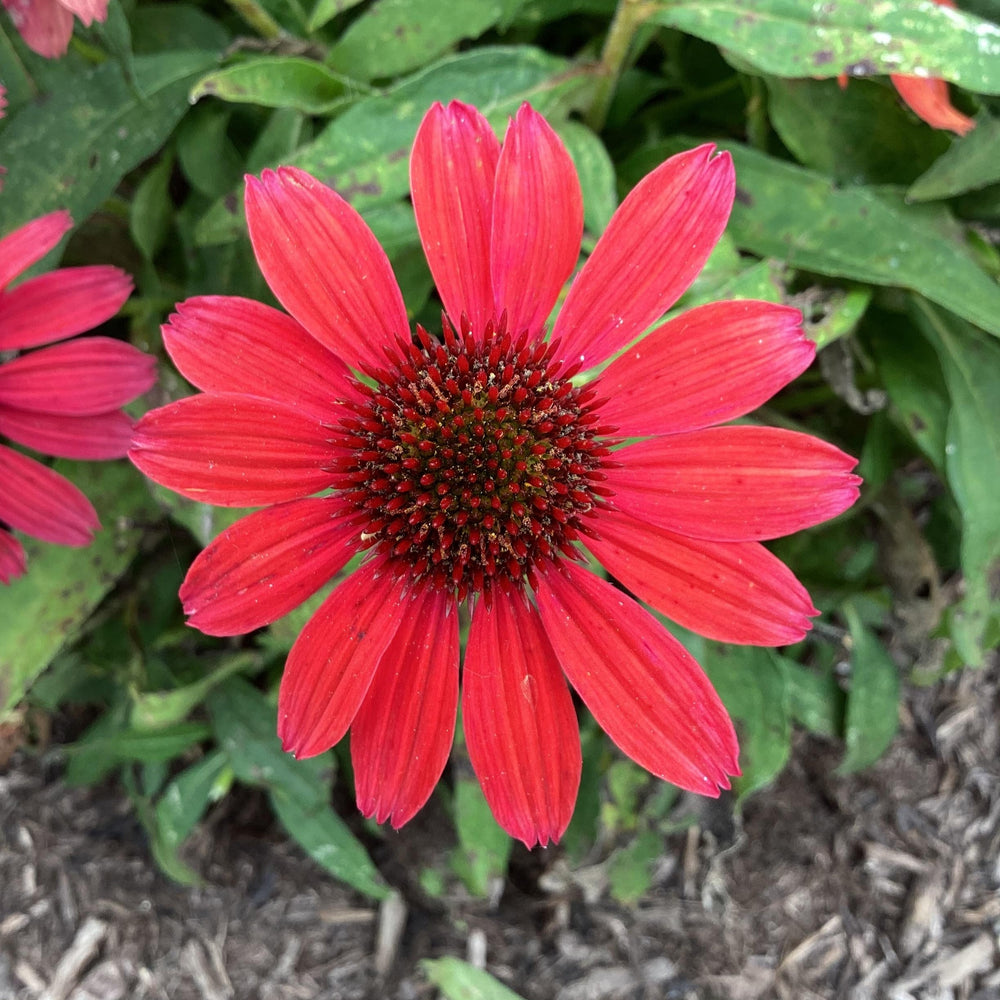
<point>478,469</point>
<point>64,399</point>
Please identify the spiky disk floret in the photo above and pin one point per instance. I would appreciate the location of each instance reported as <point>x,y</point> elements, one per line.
<point>474,459</point>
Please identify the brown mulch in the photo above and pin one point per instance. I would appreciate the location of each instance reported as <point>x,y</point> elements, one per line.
<point>879,885</point>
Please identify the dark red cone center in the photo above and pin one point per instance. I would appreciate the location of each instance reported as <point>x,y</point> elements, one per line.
<point>474,461</point>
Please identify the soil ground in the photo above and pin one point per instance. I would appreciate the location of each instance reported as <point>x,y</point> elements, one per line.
<point>879,885</point>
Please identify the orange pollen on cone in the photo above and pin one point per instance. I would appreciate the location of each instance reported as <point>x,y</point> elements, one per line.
<point>473,460</point>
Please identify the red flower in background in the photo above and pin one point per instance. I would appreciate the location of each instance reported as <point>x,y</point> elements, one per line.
<point>929,100</point>
<point>928,97</point>
<point>472,469</point>
<point>47,25</point>
<point>65,399</point>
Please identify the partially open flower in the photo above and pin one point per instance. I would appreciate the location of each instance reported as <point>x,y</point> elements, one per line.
<point>479,468</point>
<point>65,399</point>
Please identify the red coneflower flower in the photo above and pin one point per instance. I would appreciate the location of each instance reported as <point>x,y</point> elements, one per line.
<point>473,468</point>
<point>47,25</point>
<point>64,400</point>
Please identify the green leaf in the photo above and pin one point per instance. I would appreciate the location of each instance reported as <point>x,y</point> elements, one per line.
<point>151,211</point>
<point>751,684</point>
<point>910,371</point>
<point>481,857</point>
<point>457,980</point>
<point>581,834</point>
<point>815,700</point>
<point>532,14</point>
<point>206,156</point>
<point>179,809</point>
<point>155,709</point>
<point>47,607</point>
<point>971,366</point>
<point>969,164</point>
<point>172,27</point>
<point>865,234</point>
<point>164,854</point>
<point>186,798</point>
<point>873,700</point>
<point>326,10</point>
<point>856,37</point>
<point>277,82</point>
<point>203,520</point>
<point>764,280</point>
<point>364,154</point>
<point>625,781</point>
<point>843,309</point>
<point>396,36</point>
<point>108,743</point>
<point>15,74</point>
<point>630,870</point>
<point>875,463</point>
<point>859,233</point>
<point>276,141</point>
<point>71,149</point>
<point>326,839</point>
<point>863,136</point>
<point>116,36</point>
<point>597,174</point>
<point>280,635</point>
<point>271,19</point>
<point>245,724</point>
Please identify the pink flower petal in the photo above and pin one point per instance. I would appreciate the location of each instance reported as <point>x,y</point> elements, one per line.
<point>233,450</point>
<point>654,246</point>
<point>60,304</point>
<point>265,565</point>
<point>12,559</point>
<point>81,378</point>
<point>333,661</point>
<point>643,688</point>
<point>87,10</point>
<point>104,436</point>
<point>324,265</point>
<point>537,222</point>
<point>30,243</point>
<point>734,484</point>
<point>221,343</point>
<point>45,25</point>
<point>706,366</point>
<point>452,171</point>
<point>402,734</point>
<point>520,725</point>
<point>39,502</point>
<point>730,591</point>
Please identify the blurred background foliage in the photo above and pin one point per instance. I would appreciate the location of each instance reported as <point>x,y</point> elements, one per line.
<point>880,228</point>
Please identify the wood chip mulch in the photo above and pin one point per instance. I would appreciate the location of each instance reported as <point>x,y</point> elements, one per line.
<point>878,886</point>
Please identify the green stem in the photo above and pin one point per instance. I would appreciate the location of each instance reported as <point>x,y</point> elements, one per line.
<point>258,18</point>
<point>629,16</point>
